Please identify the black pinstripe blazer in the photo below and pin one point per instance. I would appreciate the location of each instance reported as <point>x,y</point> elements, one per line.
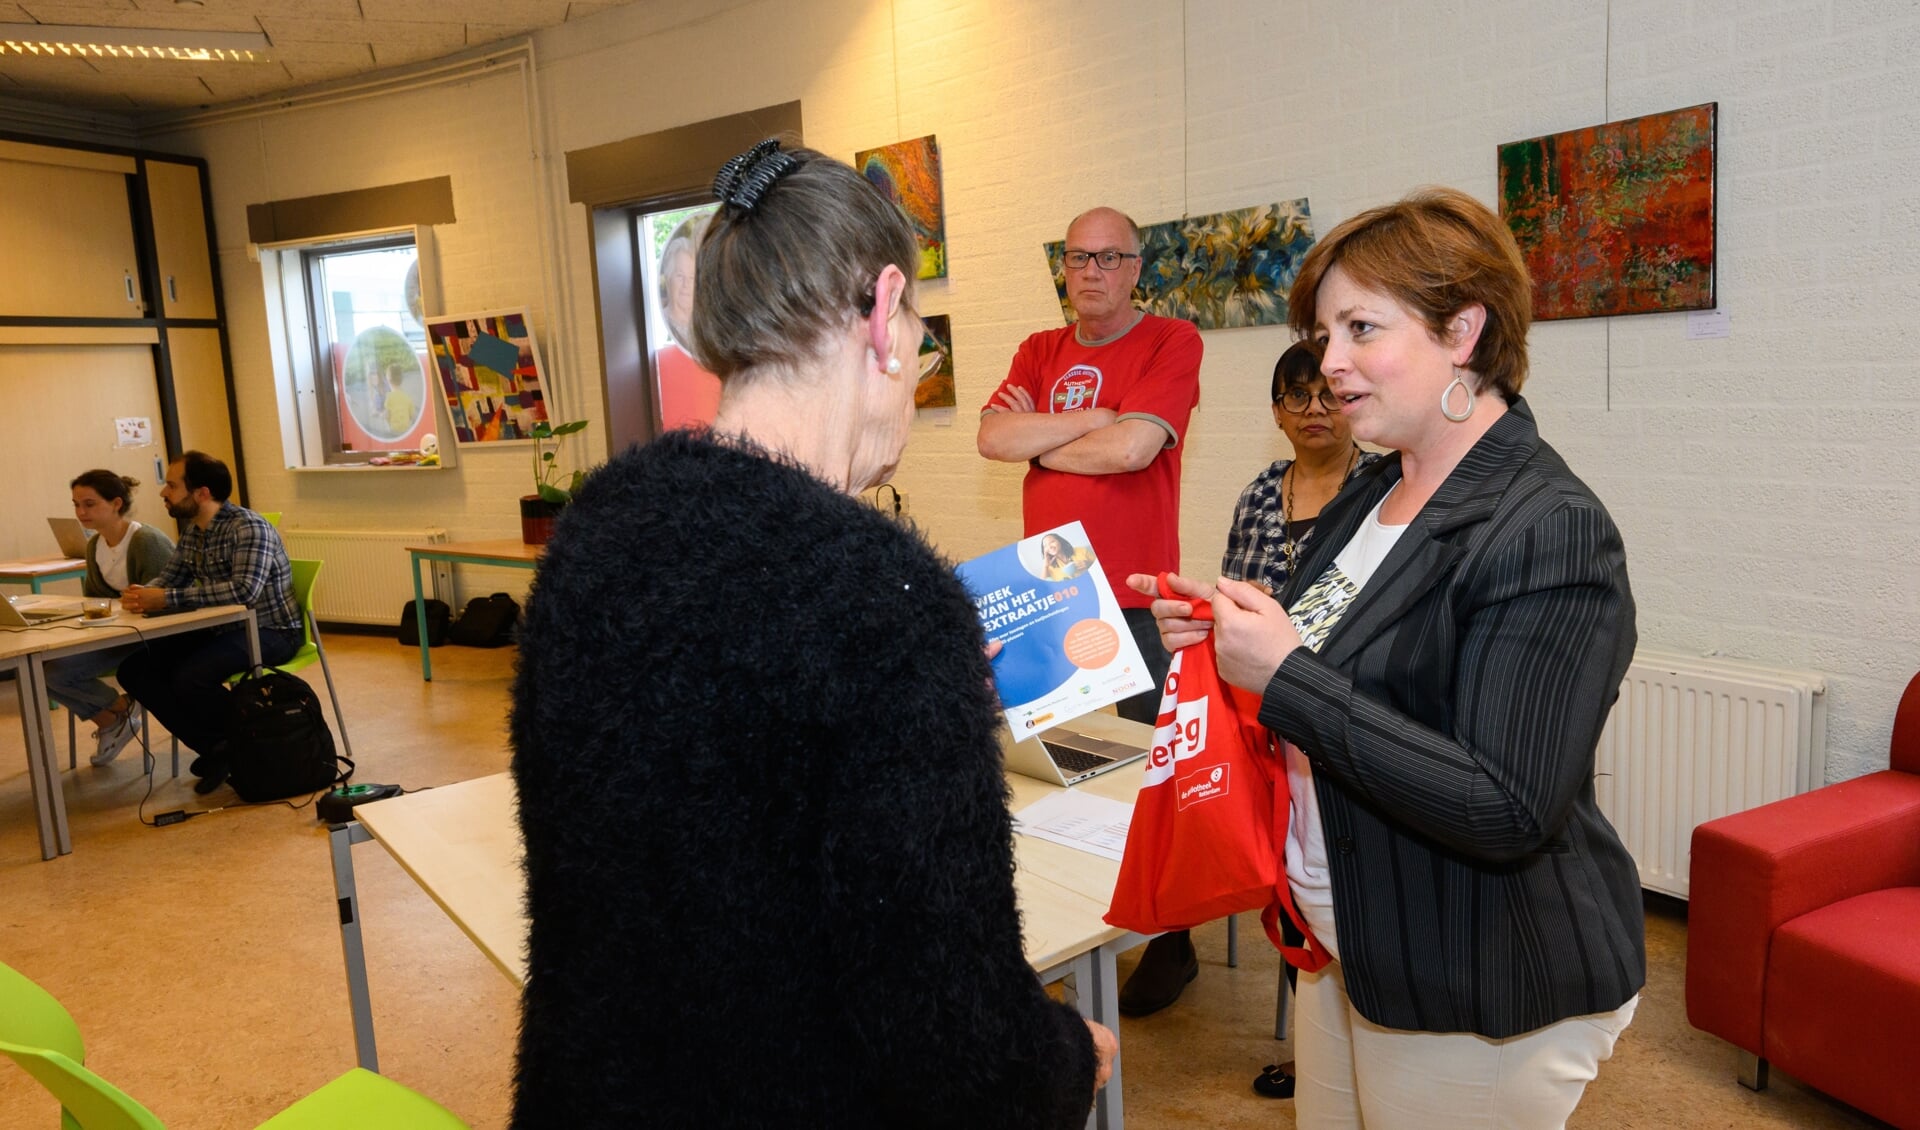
<point>1451,719</point>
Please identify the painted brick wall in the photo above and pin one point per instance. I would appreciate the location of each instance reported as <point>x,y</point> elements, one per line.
<point>1768,484</point>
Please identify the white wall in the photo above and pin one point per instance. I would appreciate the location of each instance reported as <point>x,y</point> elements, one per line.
<point>1768,485</point>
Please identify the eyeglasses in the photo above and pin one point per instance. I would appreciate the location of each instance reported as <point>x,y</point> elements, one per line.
<point>1108,260</point>
<point>1296,400</point>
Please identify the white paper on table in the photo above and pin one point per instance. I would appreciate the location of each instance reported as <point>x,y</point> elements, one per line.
<point>1096,825</point>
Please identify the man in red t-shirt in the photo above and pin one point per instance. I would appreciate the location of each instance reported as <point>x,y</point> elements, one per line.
<point>1098,410</point>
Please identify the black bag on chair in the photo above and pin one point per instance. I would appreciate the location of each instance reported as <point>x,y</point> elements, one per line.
<point>278,744</point>
<point>438,617</point>
<point>489,621</point>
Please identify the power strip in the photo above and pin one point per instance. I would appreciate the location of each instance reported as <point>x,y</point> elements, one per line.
<point>337,807</point>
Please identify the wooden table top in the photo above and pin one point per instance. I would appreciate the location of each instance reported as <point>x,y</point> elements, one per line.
<point>40,566</point>
<point>122,628</point>
<point>510,550</point>
<point>461,843</point>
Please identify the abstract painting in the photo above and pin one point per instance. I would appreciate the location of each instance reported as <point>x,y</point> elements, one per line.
<point>489,374</point>
<point>908,173</point>
<point>1616,219</point>
<point>1218,271</point>
<point>935,389</point>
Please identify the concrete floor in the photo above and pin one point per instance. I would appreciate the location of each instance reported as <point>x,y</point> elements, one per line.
<point>202,961</point>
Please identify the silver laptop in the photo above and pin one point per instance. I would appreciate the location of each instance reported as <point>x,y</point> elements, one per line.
<point>71,535</point>
<point>1077,751</point>
<point>11,617</point>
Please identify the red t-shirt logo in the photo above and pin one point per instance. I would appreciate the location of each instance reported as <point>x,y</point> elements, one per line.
<point>1077,388</point>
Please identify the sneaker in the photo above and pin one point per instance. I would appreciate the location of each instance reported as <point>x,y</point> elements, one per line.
<point>1161,976</point>
<point>111,739</point>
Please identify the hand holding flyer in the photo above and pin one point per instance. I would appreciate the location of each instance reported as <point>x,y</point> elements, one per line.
<point>1065,648</point>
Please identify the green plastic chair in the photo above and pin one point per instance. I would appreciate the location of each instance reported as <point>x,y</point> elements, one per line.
<point>37,1033</point>
<point>272,516</point>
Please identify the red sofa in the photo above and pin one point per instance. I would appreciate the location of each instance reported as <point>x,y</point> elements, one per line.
<point>1803,935</point>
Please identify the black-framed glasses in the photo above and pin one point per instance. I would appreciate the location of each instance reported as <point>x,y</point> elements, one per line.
<point>1296,400</point>
<point>1108,260</point>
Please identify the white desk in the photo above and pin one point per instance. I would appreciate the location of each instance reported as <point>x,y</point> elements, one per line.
<point>461,843</point>
<point>26,652</point>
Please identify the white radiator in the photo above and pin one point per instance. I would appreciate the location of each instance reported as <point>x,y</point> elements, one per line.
<point>367,576</point>
<point>1692,739</point>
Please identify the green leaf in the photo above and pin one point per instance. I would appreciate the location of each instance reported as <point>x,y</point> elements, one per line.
<point>541,430</point>
<point>573,486</point>
<point>570,427</point>
<point>554,495</point>
<point>546,456</point>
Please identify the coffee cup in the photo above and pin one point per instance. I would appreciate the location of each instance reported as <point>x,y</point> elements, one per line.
<point>96,608</point>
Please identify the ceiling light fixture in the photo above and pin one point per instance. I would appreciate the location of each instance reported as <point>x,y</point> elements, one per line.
<point>63,41</point>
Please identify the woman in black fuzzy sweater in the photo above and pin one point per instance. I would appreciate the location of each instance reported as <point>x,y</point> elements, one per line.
<point>769,859</point>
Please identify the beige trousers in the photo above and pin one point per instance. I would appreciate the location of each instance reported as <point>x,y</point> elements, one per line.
<point>1354,1073</point>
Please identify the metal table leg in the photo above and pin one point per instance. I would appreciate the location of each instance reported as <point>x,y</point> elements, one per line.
<point>36,763</point>
<point>420,622</point>
<point>49,763</point>
<point>342,837</point>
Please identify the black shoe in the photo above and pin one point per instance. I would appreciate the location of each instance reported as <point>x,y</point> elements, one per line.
<point>199,766</point>
<point>1161,976</point>
<point>213,774</point>
<point>1274,1082</point>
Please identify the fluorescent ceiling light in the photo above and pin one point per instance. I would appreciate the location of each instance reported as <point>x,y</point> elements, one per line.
<point>66,41</point>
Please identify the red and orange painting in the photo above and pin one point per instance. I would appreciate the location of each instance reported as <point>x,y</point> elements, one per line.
<point>1618,218</point>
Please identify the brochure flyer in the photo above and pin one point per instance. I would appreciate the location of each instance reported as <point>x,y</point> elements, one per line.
<point>1065,648</point>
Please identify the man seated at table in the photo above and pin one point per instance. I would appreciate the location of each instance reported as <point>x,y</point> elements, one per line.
<point>229,555</point>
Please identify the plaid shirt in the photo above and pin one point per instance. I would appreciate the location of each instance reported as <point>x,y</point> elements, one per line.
<point>237,559</point>
<point>1256,541</point>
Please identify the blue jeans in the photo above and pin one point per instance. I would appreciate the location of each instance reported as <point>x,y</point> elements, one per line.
<point>182,680</point>
<point>76,681</point>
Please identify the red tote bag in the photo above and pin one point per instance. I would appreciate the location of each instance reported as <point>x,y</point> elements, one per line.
<point>1209,827</point>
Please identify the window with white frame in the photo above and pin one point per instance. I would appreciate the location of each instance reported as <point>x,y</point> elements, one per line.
<point>351,355</point>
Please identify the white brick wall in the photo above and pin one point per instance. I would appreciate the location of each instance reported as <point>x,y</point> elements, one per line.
<point>1768,484</point>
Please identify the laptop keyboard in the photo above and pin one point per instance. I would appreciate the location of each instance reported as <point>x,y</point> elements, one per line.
<point>1073,760</point>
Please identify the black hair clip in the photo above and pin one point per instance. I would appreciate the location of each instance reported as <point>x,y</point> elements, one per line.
<point>746,178</point>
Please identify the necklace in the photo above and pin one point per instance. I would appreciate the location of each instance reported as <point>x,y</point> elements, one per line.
<point>1290,545</point>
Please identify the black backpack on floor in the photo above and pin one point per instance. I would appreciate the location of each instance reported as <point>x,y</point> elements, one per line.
<point>489,621</point>
<point>278,743</point>
<point>439,616</point>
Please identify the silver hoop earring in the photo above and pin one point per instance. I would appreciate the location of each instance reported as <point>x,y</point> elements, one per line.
<point>1447,394</point>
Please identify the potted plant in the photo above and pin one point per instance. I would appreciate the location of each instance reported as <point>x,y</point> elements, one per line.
<point>539,509</point>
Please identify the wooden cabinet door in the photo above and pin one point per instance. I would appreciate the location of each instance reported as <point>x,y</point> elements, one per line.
<point>180,239</point>
<point>200,393</point>
<point>68,236</point>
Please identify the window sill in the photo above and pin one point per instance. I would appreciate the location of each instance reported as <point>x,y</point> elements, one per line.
<point>355,468</point>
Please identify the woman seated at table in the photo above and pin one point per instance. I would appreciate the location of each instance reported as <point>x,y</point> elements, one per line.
<point>121,553</point>
<point>1440,666</point>
<point>769,860</point>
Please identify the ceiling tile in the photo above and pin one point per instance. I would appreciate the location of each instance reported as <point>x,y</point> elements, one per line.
<point>13,14</point>
<point>68,12</point>
<point>528,13</point>
<point>447,37</point>
<point>318,9</point>
<point>84,5</point>
<point>305,73</point>
<point>303,52</point>
<point>230,84</point>
<point>493,33</point>
<point>580,9</point>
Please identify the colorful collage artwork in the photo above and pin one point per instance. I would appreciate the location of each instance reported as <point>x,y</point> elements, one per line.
<point>908,173</point>
<point>1616,219</point>
<point>490,374</point>
<point>1219,271</point>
